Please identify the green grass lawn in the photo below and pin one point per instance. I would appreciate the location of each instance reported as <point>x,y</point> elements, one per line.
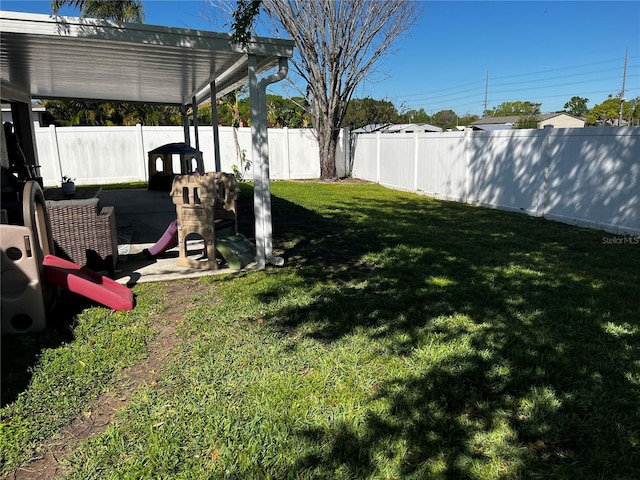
<point>404,338</point>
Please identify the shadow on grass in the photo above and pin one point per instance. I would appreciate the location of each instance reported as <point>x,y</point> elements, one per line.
<point>21,352</point>
<point>548,380</point>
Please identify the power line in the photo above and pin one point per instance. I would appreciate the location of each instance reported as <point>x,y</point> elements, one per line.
<point>564,68</point>
<point>469,105</point>
<point>429,93</point>
<point>449,100</point>
<point>582,74</point>
<point>624,79</point>
<point>537,85</point>
<point>441,90</point>
<point>456,93</point>
<point>561,84</point>
<point>486,95</point>
<point>467,94</point>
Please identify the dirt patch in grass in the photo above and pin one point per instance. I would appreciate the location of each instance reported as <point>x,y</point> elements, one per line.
<point>98,416</point>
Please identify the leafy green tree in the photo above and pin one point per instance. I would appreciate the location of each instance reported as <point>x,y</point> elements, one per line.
<point>605,113</point>
<point>414,116</point>
<point>300,116</point>
<point>467,119</point>
<point>74,112</point>
<point>234,109</point>
<point>366,111</point>
<point>577,107</point>
<point>445,119</point>
<point>628,112</point>
<point>243,19</point>
<point>608,112</point>
<point>528,120</point>
<point>634,117</point>
<point>162,115</point>
<point>527,111</point>
<point>514,108</point>
<point>508,109</point>
<point>205,116</point>
<point>287,112</point>
<point>120,10</point>
<point>87,113</point>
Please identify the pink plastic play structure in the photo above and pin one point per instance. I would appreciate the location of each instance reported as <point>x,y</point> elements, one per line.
<point>32,274</point>
<point>87,283</point>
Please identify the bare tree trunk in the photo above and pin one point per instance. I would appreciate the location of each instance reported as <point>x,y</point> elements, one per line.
<point>327,142</point>
<point>337,44</point>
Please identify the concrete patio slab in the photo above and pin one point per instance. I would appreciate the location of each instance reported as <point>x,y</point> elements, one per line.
<point>141,218</point>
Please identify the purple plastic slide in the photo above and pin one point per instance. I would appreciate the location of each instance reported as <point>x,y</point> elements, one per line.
<point>168,240</point>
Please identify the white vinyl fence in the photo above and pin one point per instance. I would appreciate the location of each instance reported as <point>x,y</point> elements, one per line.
<point>104,155</point>
<point>583,176</point>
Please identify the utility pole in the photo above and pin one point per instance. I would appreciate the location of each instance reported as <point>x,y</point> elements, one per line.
<point>624,78</point>
<point>486,96</point>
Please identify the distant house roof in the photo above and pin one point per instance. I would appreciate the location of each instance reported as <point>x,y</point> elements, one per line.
<point>547,116</point>
<point>412,127</point>
<point>508,122</point>
<point>397,128</point>
<point>372,127</point>
<point>491,126</point>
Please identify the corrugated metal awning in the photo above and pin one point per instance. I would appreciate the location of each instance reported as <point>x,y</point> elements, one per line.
<point>81,58</point>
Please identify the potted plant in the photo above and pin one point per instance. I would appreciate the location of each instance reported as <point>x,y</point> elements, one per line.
<point>68,185</point>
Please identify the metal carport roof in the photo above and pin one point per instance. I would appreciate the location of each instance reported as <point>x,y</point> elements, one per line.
<point>79,58</point>
<point>83,58</point>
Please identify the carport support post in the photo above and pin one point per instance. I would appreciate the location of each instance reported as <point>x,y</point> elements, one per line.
<point>185,124</point>
<point>194,107</point>
<point>22,116</point>
<point>213,94</point>
<point>260,190</point>
<point>259,140</point>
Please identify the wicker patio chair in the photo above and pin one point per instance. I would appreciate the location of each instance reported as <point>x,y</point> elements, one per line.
<point>83,234</point>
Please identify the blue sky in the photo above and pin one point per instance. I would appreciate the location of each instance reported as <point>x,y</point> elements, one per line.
<point>543,52</point>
